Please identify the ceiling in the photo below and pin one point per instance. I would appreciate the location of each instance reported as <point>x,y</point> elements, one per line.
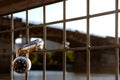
<point>12,6</point>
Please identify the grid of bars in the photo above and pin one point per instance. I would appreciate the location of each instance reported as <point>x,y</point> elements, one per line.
<point>88,48</point>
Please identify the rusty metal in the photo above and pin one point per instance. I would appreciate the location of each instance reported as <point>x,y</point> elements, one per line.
<point>12,45</point>
<point>83,48</point>
<point>27,41</point>
<point>87,48</point>
<point>116,41</point>
<point>88,41</point>
<point>27,30</point>
<point>84,17</point>
<point>64,39</point>
<point>44,38</point>
<point>67,20</point>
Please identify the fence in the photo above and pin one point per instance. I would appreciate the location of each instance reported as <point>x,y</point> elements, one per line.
<point>88,47</point>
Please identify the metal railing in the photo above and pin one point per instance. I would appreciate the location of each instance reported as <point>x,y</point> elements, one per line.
<point>88,47</point>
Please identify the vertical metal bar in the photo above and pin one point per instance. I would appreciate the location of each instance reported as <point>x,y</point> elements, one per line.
<point>64,39</point>
<point>116,42</point>
<point>44,36</point>
<point>27,41</point>
<point>27,30</point>
<point>88,42</point>
<point>12,45</point>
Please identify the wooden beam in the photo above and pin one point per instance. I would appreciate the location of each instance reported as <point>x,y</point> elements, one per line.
<point>23,5</point>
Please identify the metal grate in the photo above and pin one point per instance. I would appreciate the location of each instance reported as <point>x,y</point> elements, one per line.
<point>88,46</point>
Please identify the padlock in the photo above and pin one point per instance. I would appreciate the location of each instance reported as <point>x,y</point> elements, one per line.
<point>22,64</point>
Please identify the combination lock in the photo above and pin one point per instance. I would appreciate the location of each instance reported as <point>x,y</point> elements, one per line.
<point>22,64</point>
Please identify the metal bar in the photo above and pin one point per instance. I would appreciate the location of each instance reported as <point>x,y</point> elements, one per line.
<point>104,47</point>
<point>83,48</point>
<point>88,48</point>
<point>44,37</point>
<point>88,42</point>
<point>27,30</point>
<point>64,39</point>
<point>27,41</point>
<point>67,20</point>
<point>12,45</point>
<point>84,17</point>
<point>116,42</point>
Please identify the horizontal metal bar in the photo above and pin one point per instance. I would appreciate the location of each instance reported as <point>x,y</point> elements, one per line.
<point>83,48</point>
<point>61,21</point>
<point>84,17</point>
<point>104,47</point>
